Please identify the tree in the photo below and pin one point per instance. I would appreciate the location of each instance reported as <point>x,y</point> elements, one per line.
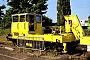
<point>1,14</point>
<point>26,6</point>
<point>39,6</point>
<point>20,6</point>
<point>63,8</point>
<point>89,18</point>
<point>89,22</point>
<point>16,6</point>
<point>46,21</point>
<point>31,6</point>
<point>7,18</point>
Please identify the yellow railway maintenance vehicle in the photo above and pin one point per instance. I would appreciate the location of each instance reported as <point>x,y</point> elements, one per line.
<point>26,31</point>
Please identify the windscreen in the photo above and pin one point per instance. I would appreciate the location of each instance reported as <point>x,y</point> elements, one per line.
<point>38,18</point>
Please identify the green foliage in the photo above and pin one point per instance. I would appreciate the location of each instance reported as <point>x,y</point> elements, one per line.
<point>89,18</point>
<point>46,21</point>
<point>26,6</point>
<point>63,8</point>
<point>47,29</point>
<point>89,22</point>
<point>6,21</point>
<point>20,6</point>
<point>1,12</point>
<point>87,32</point>
<point>30,6</point>
<point>55,53</point>
<point>4,31</point>
<point>2,7</point>
<point>39,6</point>
<point>16,6</point>
<point>29,50</point>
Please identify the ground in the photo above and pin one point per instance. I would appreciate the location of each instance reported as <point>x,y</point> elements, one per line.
<point>22,54</point>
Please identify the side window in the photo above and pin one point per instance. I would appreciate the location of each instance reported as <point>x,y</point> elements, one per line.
<point>38,18</point>
<point>22,18</point>
<point>27,18</point>
<point>15,18</point>
<point>70,22</point>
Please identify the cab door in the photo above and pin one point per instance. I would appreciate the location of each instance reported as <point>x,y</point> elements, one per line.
<point>31,20</point>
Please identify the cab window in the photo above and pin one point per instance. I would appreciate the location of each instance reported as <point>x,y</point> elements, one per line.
<point>15,18</point>
<point>22,18</point>
<point>31,22</point>
<point>31,17</point>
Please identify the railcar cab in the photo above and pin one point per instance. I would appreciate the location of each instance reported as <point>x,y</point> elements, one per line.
<point>26,23</point>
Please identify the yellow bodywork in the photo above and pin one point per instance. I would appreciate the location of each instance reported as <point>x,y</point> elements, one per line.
<point>21,29</point>
<point>72,32</point>
<point>77,30</point>
<point>85,40</point>
<point>49,37</point>
<point>29,44</point>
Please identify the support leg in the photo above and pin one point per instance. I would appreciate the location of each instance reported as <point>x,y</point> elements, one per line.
<point>65,48</point>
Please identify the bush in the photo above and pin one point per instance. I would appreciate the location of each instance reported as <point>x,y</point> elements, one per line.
<point>87,32</point>
<point>47,29</point>
<point>4,31</point>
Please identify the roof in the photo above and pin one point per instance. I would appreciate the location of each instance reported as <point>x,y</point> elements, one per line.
<point>24,14</point>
